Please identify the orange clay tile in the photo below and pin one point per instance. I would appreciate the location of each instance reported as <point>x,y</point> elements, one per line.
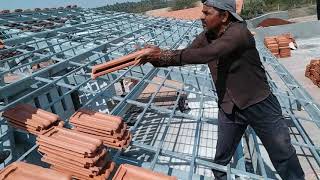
<point>112,134</point>
<point>104,175</point>
<point>24,171</point>
<point>116,64</point>
<point>29,118</point>
<point>71,140</point>
<point>85,162</point>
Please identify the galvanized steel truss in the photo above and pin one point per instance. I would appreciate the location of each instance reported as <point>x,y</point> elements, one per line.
<point>88,37</point>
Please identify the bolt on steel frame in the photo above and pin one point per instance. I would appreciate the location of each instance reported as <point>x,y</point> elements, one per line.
<point>165,139</point>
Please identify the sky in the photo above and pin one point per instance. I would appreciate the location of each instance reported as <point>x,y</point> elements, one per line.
<point>30,4</point>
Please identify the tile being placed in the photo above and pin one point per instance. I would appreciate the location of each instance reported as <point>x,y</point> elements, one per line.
<point>24,171</point>
<point>116,64</point>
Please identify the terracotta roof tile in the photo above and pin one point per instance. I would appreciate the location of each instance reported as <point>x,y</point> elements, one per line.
<point>108,128</point>
<point>24,171</point>
<point>31,119</point>
<point>74,153</point>
<point>116,64</point>
<point>71,140</point>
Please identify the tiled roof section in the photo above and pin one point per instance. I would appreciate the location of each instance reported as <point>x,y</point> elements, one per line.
<point>7,54</point>
<point>31,119</point>
<point>129,172</point>
<point>24,171</point>
<point>108,128</point>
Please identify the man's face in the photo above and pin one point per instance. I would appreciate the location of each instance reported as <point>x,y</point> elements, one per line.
<point>211,18</point>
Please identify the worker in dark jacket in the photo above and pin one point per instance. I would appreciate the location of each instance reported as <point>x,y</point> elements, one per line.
<point>228,47</point>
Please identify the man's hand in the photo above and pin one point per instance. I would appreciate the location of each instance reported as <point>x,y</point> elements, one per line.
<point>151,55</point>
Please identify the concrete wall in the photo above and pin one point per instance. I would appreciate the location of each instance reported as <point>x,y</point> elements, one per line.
<point>299,30</point>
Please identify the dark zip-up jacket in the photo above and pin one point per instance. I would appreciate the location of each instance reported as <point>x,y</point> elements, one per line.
<point>234,62</point>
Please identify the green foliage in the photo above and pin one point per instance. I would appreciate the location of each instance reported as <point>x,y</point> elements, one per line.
<point>252,8</point>
<point>147,5</point>
<point>183,4</point>
<point>136,7</point>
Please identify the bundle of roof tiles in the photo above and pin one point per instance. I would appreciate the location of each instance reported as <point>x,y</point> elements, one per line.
<point>74,153</point>
<point>279,45</point>
<point>28,118</point>
<point>1,44</point>
<point>108,128</point>
<point>129,172</point>
<point>25,171</point>
<point>313,71</point>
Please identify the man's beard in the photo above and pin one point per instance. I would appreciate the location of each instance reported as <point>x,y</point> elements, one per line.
<point>211,33</point>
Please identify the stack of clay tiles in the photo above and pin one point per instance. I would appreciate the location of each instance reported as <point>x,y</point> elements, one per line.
<point>31,119</point>
<point>110,129</point>
<point>279,45</point>
<point>130,172</point>
<point>272,44</point>
<point>25,171</point>
<point>313,71</point>
<point>75,154</point>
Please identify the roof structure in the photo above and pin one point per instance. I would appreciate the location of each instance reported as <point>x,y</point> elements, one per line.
<point>46,61</point>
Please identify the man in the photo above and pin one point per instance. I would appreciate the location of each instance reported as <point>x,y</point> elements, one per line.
<point>228,47</point>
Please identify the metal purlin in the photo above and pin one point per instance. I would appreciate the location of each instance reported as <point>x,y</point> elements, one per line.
<point>11,18</point>
<point>57,64</point>
<point>307,142</point>
<point>56,53</point>
<point>295,88</point>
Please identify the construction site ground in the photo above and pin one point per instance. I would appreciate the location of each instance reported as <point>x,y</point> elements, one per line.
<point>296,64</point>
